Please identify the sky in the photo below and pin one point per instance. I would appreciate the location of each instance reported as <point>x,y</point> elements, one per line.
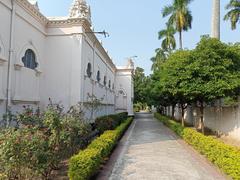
<point>133,25</point>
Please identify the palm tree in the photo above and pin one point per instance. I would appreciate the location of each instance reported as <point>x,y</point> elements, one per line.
<point>160,57</point>
<point>169,42</point>
<point>216,20</point>
<point>234,13</point>
<point>180,16</point>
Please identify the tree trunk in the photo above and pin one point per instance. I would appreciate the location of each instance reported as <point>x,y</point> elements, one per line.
<point>173,110</point>
<point>216,19</point>
<point>180,40</point>
<point>183,124</point>
<point>201,120</point>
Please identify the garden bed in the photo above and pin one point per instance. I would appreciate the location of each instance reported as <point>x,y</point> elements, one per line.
<point>87,163</point>
<point>40,146</point>
<point>226,157</point>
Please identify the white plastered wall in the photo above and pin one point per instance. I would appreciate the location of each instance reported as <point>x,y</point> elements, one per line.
<point>124,91</point>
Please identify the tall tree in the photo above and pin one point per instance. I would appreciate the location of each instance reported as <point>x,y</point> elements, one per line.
<point>216,20</point>
<point>158,59</point>
<point>234,13</point>
<point>168,42</point>
<point>139,85</point>
<point>180,17</point>
<point>172,74</point>
<point>213,73</point>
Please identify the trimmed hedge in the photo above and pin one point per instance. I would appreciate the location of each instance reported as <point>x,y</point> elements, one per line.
<point>226,157</point>
<point>87,162</point>
<point>176,127</point>
<point>110,122</point>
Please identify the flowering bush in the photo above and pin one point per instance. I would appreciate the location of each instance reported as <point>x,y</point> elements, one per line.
<point>42,141</point>
<point>29,117</point>
<point>24,154</point>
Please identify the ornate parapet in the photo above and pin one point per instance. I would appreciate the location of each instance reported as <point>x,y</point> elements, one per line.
<point>80,9</point>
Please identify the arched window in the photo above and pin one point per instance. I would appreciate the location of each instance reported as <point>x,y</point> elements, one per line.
<point>29,59</point>
<point>98,76</point>
<point>109,84</point>
<point>113,86</point>
<point>105,81</point>
<point>89,70</point>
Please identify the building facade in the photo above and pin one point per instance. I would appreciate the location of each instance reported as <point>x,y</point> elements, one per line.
<point>58,58</point>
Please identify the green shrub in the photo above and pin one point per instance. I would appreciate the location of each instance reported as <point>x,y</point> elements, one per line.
<point>24,154</point>
<point>87,162</point>
<point>226,157</point>
<point>104,143</point>
<point>42,142</point>
<point>110,122</point>
<point>176,127</point>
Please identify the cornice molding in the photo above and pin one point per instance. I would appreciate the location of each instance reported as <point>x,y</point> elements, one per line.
<point>32,10</point>
<point>99,46</point>
<point>68,22</point>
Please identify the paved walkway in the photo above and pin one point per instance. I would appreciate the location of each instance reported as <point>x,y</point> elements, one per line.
<point>150,151</point>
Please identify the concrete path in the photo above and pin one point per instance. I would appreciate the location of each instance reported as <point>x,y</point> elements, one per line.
<point>150,151</point>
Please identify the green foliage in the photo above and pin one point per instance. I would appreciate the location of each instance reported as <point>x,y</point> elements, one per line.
<point>212,71</point>
<point>173,74</point>
<point>37,148</point>
<point>226,157</point>
<point>105,143</point>
<point>230,101</point>
<point>24,153</point>
<point>159,58</point>
<point>29,117</point>
<point>139,80</point>
<point>180,16</point>
<point>140,106</point>
<point>233,14</point>
<point>87,162</point>
<point>110,122</point>
<point>169,42</point>
<point>173,125</point>
<point>209,72</point>
<point>142,87</point>
<point>204,74</point>
<point>8,118</point>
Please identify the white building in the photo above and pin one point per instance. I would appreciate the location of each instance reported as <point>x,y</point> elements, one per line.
<point>58,58</point>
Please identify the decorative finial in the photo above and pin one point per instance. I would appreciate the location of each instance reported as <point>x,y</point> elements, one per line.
<point>130,64</point>
<point>34,3</point>
<point>80,9</point>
